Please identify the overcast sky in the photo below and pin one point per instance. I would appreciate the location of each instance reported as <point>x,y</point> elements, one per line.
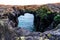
<point>27,2</point>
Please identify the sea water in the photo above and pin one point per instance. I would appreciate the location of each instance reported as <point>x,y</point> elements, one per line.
<point>26,21</point>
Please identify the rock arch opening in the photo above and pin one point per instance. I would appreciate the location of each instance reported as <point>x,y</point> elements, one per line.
<point>26,21</point>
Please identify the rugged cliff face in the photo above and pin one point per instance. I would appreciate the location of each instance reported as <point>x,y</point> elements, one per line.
<point>46,17</point>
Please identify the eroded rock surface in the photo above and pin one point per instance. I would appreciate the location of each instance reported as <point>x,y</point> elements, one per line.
<point>10,31</point>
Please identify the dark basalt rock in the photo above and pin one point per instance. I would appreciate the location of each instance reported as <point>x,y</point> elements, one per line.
<point>44,20</point>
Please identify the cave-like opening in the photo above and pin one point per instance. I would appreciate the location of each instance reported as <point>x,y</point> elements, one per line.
<point>26,21</point>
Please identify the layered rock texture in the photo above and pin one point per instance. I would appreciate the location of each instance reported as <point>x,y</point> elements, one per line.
<point>46,22</point>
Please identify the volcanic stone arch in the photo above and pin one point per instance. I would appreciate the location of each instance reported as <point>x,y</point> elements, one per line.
<point>13,18</point>
<point>36,18</point>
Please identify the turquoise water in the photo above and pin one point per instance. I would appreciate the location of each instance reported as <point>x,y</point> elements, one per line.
<point>26,21</point>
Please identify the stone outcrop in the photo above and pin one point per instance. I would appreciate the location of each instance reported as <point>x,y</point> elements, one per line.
<point>10,31</point>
